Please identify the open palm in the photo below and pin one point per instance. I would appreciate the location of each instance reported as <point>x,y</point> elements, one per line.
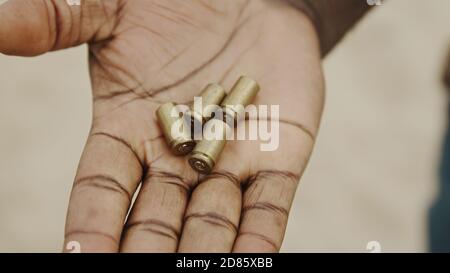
<point>146,52</point>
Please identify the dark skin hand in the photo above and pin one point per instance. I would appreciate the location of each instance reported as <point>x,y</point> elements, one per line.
<point>145,52</point>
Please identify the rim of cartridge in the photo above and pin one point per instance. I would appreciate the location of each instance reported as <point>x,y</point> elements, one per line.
<point>201,162</point>
<point>182,146</point>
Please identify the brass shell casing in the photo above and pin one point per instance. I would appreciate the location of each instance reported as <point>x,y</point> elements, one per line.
<point>212,95</point>
<point>241,95</point>
<point>182,143</point>
<point>207,152</point>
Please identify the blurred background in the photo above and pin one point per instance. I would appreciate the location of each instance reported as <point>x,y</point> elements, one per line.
<point>373,174</point>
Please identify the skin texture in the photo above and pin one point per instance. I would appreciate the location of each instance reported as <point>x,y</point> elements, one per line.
<point>145,52</point>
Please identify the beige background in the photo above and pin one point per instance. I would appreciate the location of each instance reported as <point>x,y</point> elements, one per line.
<point>372,176</point>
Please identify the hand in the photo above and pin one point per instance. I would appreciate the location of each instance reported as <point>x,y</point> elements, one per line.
<point>145,52</point>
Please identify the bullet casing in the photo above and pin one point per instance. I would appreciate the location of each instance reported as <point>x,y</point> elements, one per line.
<point>212,95</point>
<point>241,95</point>
<point>180,143</point>
<point>207,151</point>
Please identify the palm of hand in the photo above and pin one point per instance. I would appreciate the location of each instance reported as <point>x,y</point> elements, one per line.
<point>151,52</point>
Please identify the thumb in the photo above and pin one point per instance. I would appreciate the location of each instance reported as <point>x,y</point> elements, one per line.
<point>33,27</point>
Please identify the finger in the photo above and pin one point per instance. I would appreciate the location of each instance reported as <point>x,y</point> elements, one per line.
<point>108,175</point>
<point>155,221</point>
<point>212,217</point>
<point>34,27</point>
<point>265,210</point>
